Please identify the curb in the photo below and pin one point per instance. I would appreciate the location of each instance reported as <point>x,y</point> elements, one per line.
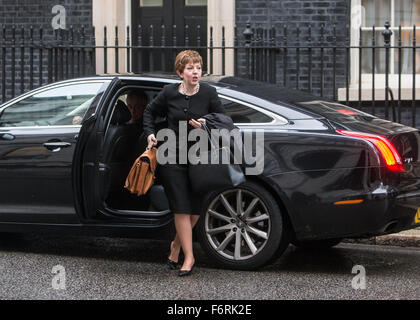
<point>410,238</point>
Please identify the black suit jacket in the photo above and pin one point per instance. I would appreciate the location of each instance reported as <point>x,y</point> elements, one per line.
<point>176,107</point>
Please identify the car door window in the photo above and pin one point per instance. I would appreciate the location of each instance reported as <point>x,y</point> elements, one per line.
<point>243,114</point>
<point>58,106</point>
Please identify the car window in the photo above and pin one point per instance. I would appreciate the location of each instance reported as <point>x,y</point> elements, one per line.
<point>244,114</point>
<point>64,105</point>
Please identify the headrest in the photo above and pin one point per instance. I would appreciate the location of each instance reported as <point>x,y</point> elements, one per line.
<point>121,113</point>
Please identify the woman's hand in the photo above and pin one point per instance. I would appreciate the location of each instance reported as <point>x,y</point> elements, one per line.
<point>151,141</point>
<point>196,123</point>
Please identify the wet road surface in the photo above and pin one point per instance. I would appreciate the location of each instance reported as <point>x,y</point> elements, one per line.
<point>105,268</point>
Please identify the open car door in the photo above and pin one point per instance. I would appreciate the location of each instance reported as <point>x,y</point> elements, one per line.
<point>86,164</point>
<point>105,157</point>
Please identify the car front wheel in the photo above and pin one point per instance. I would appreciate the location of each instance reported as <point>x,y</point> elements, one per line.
<point>242,228</point>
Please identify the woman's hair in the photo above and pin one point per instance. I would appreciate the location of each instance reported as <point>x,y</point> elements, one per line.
<point>185,57</point>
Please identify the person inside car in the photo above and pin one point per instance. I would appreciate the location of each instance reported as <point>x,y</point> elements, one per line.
<point>136,103</point>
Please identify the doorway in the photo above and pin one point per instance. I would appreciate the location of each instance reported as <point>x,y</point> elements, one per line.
<point>163,28</point>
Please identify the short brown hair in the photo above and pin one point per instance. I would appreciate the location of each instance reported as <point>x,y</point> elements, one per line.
<point>185,57</point>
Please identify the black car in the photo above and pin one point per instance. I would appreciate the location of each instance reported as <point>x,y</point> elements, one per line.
<point>329,171</point>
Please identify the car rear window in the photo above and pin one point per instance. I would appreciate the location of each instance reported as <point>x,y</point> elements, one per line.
<point>244,114</point>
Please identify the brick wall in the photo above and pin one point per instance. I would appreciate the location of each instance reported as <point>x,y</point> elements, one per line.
<point>309,16</point>
<point>38,14</point>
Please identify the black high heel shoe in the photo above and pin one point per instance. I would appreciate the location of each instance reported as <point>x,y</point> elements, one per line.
<point>184,273</point>
<point>172,264</point>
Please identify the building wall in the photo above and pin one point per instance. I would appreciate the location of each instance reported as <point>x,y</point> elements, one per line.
<point>221,13</point>
<point>38,15</point>
<point>311,15</point>
<point>111,14</point>
<point>308,16</point>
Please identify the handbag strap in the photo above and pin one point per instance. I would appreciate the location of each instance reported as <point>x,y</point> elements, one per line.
<point>208,134</point>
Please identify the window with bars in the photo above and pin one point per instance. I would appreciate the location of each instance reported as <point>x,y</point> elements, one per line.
<point>402,16</point>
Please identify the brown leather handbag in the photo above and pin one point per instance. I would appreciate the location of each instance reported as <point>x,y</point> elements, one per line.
<point>142,174</point>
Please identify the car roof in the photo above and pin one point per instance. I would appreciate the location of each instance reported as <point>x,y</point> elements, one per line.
<point>165,77</point>
<point>257,88</point>
<point>267,95</point>
<point>269,91</point>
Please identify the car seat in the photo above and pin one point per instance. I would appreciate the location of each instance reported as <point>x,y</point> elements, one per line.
<point>118,147</point>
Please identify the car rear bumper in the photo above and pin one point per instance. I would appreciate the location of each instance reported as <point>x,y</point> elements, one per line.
<point>383,211</point>
<point>395,212</point>
<point>404,213</point>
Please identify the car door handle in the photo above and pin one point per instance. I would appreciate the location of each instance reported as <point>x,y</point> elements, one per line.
<point>56,146</point>
<point>104,167</point>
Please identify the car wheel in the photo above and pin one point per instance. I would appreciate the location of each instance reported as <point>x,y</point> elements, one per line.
<point>317,244</point>
<point>242,228</point>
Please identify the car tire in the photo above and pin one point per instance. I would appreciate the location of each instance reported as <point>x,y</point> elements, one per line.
<point>247,241</point>
<point>317,244</point>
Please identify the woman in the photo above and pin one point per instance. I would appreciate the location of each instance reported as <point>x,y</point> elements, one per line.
<point>188,101</point>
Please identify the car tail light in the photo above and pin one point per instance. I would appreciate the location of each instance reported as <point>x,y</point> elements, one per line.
<point>389,153</point>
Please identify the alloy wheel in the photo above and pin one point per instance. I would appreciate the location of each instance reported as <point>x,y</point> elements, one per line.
<point>237,224</point>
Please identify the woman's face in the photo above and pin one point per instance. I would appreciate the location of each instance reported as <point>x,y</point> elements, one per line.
<point>191,74</point>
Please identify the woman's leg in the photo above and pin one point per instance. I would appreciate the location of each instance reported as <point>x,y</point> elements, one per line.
<point>175,248</point>
<point>176,243</point>
<point>194,220</point>
<point>184,224</point>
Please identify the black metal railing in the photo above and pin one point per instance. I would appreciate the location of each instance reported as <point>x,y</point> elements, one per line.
<point>29,59</point>
<point>319,60</point>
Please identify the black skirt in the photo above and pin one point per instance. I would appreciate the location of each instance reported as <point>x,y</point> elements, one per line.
<point>176,182</point>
